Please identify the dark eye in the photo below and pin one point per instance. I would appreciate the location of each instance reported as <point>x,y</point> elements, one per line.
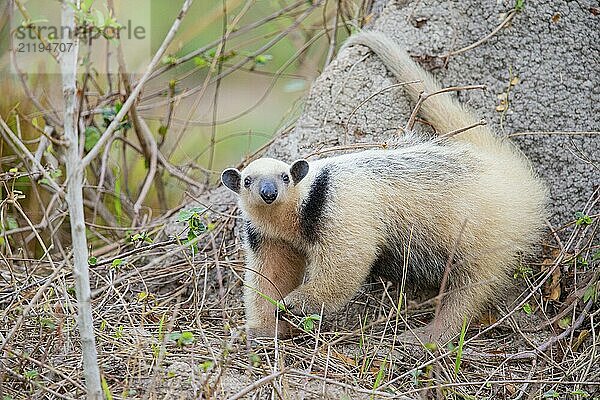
<point>285,178</point>
<point>247,182</point>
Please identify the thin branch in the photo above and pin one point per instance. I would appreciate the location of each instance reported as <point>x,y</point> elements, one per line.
<point>116,122</point>
<point>508,18</point>
<point>424,96</point>
<point>74,197</point>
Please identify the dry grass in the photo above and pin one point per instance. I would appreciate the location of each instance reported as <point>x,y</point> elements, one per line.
<point>161,289</point>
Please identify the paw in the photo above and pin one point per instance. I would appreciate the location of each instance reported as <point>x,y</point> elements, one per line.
<point>415,337</point>
<point>426,336</point>
<point>301,304</point>
<point>282,330</point>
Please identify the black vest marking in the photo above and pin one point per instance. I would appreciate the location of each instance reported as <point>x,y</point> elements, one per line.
<point>313,207</point>
<point>252,236</point>
<point>425,261</point>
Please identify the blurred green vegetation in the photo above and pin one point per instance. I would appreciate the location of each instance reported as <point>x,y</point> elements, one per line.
<point>239,113</point>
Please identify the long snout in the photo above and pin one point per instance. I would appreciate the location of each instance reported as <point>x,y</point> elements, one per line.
<point>268,191</point>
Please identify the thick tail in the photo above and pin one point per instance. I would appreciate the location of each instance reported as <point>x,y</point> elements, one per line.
<point>443,111</point>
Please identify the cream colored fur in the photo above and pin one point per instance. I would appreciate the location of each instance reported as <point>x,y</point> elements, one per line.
<point>489,215</point>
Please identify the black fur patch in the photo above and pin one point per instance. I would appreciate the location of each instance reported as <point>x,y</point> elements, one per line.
<point>252,236</point>
<point>313,207</point>
<point>425,261</point>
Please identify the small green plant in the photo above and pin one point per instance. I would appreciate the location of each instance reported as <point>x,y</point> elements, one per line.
<point>255,360</point>
<point>581,261</point>
<point>308,323</point>
<point>416,374</point>
<point>459,351</point>
<point>591,293</point>
<point>92,136</point>
<point>519,5</point>
<point>140,237</point>
<point>193,217</point>
<point>106,390</point>
<point>564,323</point>
<point>580,392</point>
<point>262,59</point>
<point>116,264</point>
<point>48,323</point>
<point>380,375</point>
<point>92,260</point>
<point>523,271</point>
<point>280,306</point>
<point>206,365</point>
<point>31,374</point>
<point>551,394</point>
<point>54,174</point>
<point>182,339</point>
<point>582,219</point>
<point>527,309</point>
<point>119,332</point>
<point>156,346</point>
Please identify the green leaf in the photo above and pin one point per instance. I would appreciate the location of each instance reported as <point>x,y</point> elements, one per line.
<point>527,308</point>
<point>92,136</point>
<point>416,374</point>
<point>590,293</point>
<point>169,60</point>
<point>31,374</point>
<point>262,59</point>
<point>580,392</point>
<point>551,394</point>
<point>162,130</point>
<point>186,338</point>
<point>182,338</point>
<point>187,214</point>
<point>564,323</point>
<point>255,360</point>
<point>48,323</point>
<point>308,323</point>
<point>11,223</point>
<point>86,5</point>
<point>459,351</point>
<point>92,260</point>
<point>380,374</point>
<point>200,62</point>
<point>107,394</point>
<point>116,263</point>
<point>583,219</point>
<point>582,262</point>
<point>206,365</point>
<point>519,5</point>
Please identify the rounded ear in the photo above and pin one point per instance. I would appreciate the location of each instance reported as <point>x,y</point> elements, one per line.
<point>298,170</point>
<point>231,178</point>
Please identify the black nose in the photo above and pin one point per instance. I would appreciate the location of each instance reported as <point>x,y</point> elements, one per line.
<point>268,192</point>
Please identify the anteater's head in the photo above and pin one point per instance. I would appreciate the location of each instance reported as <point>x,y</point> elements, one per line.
<point>266,182</point>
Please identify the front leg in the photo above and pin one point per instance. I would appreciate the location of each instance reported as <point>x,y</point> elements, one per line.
<point>274,269</point>
<point>333,279</point>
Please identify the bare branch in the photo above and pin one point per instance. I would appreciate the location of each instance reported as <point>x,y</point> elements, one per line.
<point>93,153</point>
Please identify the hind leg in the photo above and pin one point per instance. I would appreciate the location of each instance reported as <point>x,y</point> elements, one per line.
<point>463,300</point>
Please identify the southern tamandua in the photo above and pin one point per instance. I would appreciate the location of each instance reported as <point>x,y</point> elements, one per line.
<point>469,205</point>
